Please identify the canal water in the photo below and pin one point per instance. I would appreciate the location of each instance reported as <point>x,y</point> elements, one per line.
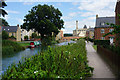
<point>20,56</point>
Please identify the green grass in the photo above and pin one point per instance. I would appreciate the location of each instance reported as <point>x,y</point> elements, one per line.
<point>10,47</point>
<point>95,47</point>
<point>24,44</point>
<point>68,61</point>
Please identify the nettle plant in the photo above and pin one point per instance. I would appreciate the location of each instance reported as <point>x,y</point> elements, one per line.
<point>68,61</point>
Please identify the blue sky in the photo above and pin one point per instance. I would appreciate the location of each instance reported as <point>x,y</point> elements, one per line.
<point>84,12</point>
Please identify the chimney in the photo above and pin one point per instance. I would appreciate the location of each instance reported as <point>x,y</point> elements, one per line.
<point>97,16</point>
<point>76,25</point>
<point>17,25</point>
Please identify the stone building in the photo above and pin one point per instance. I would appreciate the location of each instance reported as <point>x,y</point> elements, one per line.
<point>59,36</point>
<point>101,28</point>
<point>13,31</point>
<point>90,33</point>
<point>80,32</point>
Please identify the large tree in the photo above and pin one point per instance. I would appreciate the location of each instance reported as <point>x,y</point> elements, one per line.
<point>2,5</point>
<point>44,19</point>
<point>4,22</point>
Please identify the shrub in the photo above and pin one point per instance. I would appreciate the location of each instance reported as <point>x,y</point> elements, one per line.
<point>34,35</point>
<point>12,37</point>
<point>26,37</point>
<point>102,42</point>
<point>5,35</point>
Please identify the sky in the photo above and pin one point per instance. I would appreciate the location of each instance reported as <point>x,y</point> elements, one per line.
<point>84,11</point>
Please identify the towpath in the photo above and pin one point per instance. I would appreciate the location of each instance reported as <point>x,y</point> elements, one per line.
<point>101,69</point>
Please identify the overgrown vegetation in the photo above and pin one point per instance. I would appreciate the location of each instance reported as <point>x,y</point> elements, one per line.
<point>68,61</point>
<point>95,47</point>
<point>10,47</point>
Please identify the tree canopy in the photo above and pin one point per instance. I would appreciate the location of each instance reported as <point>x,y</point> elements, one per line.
<point>2,11</point>
<point>44,19</point>
<point>4,22</point>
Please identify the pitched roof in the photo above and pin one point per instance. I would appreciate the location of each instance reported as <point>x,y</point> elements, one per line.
<point>101,21</point>
<point>9,28</point>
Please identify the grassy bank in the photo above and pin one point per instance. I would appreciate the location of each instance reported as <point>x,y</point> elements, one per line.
<point>10,47</point>
<point>95,47</point>
<point>24,44</point>
<point>68,61</point>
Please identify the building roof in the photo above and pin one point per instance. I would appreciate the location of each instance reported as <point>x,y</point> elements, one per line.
<point>9,28</point>
<point>91,29</point>
<point>101,21</point>
<point>85,27</point>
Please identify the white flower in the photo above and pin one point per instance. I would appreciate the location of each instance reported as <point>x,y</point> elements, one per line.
<point>69,52</point>
<point>35,71</point>
<point>80,77</point>
<point>58,76</point>
<point>74,58</point>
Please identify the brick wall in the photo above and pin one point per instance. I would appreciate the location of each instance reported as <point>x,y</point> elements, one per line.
<point>98,33</point>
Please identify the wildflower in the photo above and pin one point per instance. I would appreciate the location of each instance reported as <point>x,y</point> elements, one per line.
<point>80,78</point>
<point>74,58</point>
<point>58,76</point>
<point>35,71</point>
<point>69,52</point>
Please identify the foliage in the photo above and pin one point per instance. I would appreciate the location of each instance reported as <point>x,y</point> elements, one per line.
<point>44,19</point>
<point>26,37</point>
<point>102,42</point>
<point>3,4</point>
<point>12,37</point>
<point>113,48</point>
<point>68,35</point>
<point>95,47</point>
<point>10,47</point>
<point>56,62</point>
<point>115,31</point>
<point>34,35</point>
<point>4,22</point>
<point>5,35</point>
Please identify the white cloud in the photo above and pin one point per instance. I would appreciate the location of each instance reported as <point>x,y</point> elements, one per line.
<point>28,3</point>
<point>20,21</point>
<point>11,11</point>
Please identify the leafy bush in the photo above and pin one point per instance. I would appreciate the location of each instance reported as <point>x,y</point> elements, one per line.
<point>5,35</point>
<point>12,37</point>
<point>26,37</point>
<point>102,42</point>
<point>34,35</point>
<point>10,47</point>
<point>56,62</point>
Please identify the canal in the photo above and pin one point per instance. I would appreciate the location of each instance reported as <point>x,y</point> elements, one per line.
<point>20,56</point>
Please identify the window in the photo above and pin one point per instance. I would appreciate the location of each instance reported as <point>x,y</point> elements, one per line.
<point>102,38</point>
<point>4,29</point>
<point>8,29</point>
<point>102,31</point>
<point>103,24</point>
<point>111,30</point>
<point>12,34</point>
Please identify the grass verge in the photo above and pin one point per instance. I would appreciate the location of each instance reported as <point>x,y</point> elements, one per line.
<point>10,47</point>
<point>95,47</point>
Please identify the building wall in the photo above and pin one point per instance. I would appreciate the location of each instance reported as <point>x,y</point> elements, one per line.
<point>91,34</point>
<point>60,35</point>
<point>18,33</point>
<point>98,33</point>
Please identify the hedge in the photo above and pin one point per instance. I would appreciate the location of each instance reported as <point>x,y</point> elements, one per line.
<point>102,42</point>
